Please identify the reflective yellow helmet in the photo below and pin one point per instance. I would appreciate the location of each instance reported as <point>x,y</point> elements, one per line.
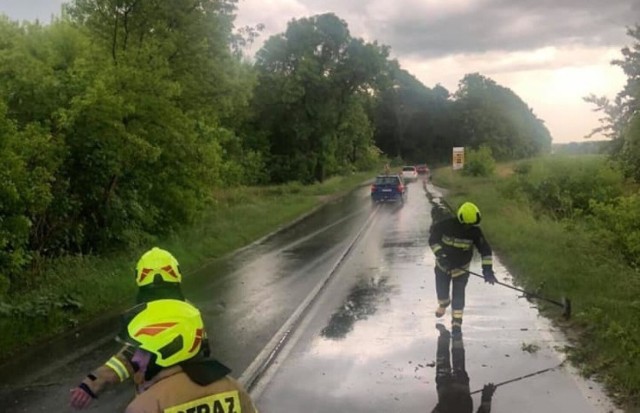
<point>468,213</point>
<point>155,266</point>
<point>172,330</point>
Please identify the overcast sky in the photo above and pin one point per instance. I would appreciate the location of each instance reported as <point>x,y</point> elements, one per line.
<point>550,52</point>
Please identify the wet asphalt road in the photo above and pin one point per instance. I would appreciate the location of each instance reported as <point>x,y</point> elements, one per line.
<point>245,299</point>
<point>366,343</point>
<point>370,343</point>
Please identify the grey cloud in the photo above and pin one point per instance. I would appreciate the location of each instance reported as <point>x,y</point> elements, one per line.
<point>491,25</point>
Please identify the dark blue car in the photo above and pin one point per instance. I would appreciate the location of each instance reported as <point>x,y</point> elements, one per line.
<point>388,188</point>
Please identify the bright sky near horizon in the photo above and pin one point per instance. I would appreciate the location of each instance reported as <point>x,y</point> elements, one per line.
<point>551,53</point>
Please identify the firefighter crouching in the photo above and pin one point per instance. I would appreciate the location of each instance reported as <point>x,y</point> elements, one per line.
<point>158,276</point>
<point>165,337</point>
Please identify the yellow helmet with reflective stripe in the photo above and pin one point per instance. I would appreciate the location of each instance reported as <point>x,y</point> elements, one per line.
<point>172,330</point>
<point>468,213</point>
<point>156,266</point>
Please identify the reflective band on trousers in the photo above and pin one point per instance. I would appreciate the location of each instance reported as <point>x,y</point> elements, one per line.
<point>116,365</point>
<point>487,260</point>
<point>454,273</point>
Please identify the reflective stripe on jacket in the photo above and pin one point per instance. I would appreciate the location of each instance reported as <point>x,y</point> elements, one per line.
<point>456,241</point>
<point>172,391</point>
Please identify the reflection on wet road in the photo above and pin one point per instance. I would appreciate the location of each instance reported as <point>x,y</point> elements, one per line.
<point>452,379</point>
<point>371,344</point>
<point>368,342</point>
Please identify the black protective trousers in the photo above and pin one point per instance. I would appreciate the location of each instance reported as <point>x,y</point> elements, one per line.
<point>457,285</point>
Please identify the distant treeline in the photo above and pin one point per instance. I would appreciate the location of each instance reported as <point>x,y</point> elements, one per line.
<point>590,147</point>
<point>120,118</point>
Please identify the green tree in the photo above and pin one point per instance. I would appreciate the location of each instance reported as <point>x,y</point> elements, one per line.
<point>493,115</point>
<point>126,112</point>
<point>312,78</point>
<point>157,98</point>
<point>420,124</point>
<point>29,161</point>
<point>35,85</point>
<point>189,39</point>
<point>404,116</point>
<point>621,118</point>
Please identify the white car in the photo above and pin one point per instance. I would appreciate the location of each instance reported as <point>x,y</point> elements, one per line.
<point>410,173</point>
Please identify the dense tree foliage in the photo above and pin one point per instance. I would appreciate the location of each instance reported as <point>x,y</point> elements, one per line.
<point>119,118</point>
<point>422,124</point>
<point>621,117</point>
<point>616,218</point>
<point>414,122</point>
<point>313,86</point>
<point>493,115</point>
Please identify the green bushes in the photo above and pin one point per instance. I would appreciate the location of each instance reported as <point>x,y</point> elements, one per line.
<point>566,187</point>
<point>479,162</point>
<point>587,191</point>
<point>617,225</point>
<point>28,160</point>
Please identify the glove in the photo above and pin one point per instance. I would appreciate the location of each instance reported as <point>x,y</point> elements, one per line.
<point>489,276</point>
<point>487,392</point>
<point>81,397</point>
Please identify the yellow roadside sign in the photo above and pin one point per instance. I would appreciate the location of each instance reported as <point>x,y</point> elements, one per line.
<point>458,158</point>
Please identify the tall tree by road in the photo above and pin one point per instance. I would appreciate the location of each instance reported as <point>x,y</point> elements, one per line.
<point>314,80</point>
<point>621,117</point>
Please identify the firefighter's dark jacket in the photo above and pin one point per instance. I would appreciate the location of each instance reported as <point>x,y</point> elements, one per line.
<point>456,241</point>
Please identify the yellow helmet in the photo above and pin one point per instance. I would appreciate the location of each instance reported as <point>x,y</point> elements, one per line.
<point>157,265</point>
<point>468,213</point>
<point>172,330</point>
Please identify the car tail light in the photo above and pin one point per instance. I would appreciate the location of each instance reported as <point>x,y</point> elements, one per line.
<point>373,188</point>
<point>400,187</point>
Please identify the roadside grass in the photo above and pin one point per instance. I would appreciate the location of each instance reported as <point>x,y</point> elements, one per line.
<point>562,258</point>
<point>72,291</point>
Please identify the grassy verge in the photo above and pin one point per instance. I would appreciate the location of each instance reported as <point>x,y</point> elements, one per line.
<point>564,258</point>
<point>74,290</point>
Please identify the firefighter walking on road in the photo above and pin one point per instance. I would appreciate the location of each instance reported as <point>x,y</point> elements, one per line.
<point>452,240</point>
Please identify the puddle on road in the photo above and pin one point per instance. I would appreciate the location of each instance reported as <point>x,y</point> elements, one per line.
<point>362,302</point>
